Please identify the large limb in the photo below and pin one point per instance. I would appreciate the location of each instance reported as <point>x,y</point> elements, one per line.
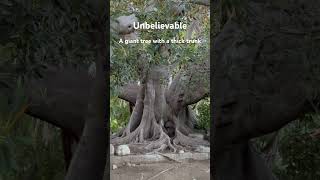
<point>189,86</point>
<point>232,137</point>
<point>57,117</point>
<point>60,98</point>
<point>129,93</point>
<point>273,114</point>
<point>137,112</point>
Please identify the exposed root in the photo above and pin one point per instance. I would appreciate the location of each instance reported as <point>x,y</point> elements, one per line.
<point>170,158</point>
<point>151,138</point>
<point>162,143</point>
<point>187,141</point>
<point>149,132</point>
<point>159,141</point>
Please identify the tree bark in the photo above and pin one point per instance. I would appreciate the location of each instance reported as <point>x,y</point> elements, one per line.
<point>90,158</point>
<point>129,93</point>
<point>189,86</point>
<point>262,82</point>
<point>60,98</point>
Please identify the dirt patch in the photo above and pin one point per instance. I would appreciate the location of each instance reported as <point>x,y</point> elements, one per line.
<point>191,170</point>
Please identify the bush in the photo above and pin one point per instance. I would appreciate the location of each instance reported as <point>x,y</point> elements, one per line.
<point>119,114</point>
<point>300,157</point>
<point>29,148</point>
<point>203,114</point>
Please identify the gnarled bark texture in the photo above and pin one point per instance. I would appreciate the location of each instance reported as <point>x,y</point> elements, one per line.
<point>265,76</point>
<point>61,98</point>
<point>161,117</point>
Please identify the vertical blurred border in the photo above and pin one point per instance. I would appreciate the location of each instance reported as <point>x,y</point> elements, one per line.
<point>212,25</point>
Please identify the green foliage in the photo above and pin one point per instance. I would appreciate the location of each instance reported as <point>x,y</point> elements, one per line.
<point>39,158</point>
<point>203,114</point>
<point>299,152</point>
<point>23,152</point>
<point>11,112</point>
<point>38,33</point>
<point>297,155</point>
<point>119,114</point>
<point>125,57</point>
<point>7,163</point>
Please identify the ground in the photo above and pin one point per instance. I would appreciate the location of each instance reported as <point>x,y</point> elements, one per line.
<point>192,170</point>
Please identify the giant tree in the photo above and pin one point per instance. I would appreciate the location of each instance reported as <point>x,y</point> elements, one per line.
<point>160,80</point>
<point>161,117</point>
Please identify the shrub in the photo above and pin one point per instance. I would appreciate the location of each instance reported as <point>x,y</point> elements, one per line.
<point>203,114</point>
<point>119,114</point>
<point>299,152</point>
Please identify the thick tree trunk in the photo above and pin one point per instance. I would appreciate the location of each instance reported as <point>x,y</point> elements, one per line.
<point>90,157</point>
<point>143,125</point>
<point>154,125</point>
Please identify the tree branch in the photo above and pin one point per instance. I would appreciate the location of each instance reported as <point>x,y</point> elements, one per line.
<point>60,98</point>
<point>57,117</point>
<point>189,86</point>
<point>129,93</point>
